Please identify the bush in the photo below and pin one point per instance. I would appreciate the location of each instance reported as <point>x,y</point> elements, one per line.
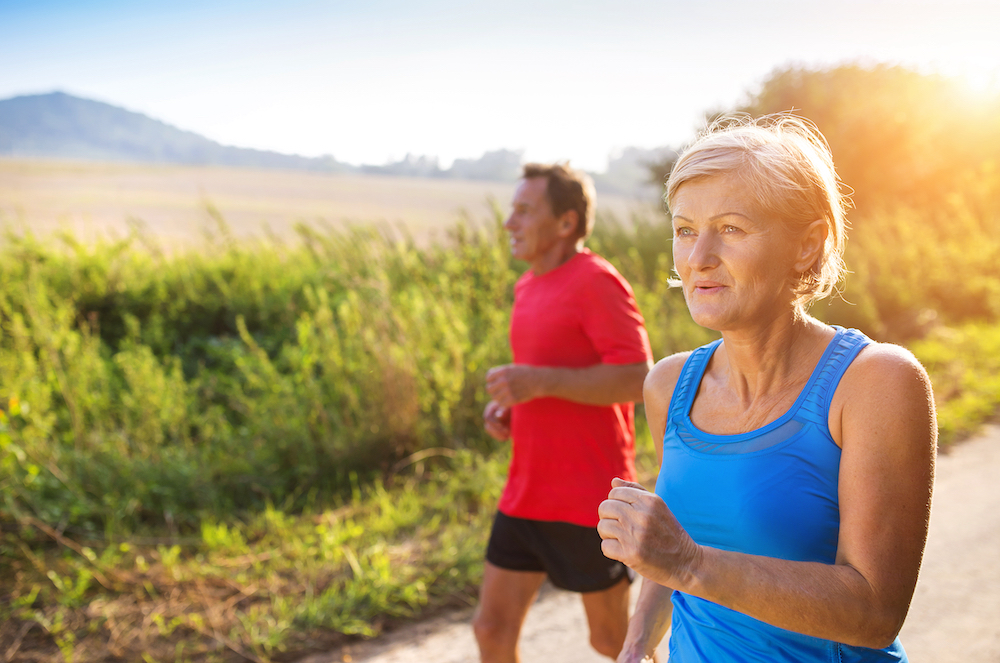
<point>139,388</point>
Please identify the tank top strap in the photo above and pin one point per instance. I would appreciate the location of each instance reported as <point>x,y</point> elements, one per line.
<point>689,379</point>
<point>841,351</point>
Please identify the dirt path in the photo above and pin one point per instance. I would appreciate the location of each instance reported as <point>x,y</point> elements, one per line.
<point>955,615</point>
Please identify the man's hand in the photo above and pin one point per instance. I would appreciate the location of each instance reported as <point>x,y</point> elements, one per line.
<point>511,384</point>
<point>496,419</point>
<point>640,531</point>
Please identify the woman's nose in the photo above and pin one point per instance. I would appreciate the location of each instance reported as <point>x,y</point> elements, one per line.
<point>704,252</point>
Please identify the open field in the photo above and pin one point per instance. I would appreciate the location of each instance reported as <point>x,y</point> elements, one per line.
<point>99,199</point>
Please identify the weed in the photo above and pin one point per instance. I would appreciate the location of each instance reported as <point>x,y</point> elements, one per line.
<point>260,449</point>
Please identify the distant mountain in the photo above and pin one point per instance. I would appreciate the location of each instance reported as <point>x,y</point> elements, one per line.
<point>63,126</point>
<point>60,125</point>
<point>495,166</point>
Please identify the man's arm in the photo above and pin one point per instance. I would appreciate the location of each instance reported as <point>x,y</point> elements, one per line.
<point>600,384</point>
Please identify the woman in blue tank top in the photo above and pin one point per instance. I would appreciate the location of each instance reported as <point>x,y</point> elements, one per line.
<point>791,509</point>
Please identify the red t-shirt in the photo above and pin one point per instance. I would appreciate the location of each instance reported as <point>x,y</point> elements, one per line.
<point>565,454</point>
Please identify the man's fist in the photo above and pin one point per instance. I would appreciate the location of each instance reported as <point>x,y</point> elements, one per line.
<point>496,419</point>
<point>511,384</point>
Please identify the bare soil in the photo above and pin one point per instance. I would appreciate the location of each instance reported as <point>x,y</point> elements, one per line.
<point>953,618</point>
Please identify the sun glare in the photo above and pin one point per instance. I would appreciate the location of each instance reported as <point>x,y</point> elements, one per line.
<point>984,82</point>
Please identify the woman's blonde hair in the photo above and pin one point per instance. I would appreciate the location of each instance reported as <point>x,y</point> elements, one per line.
<point>786,165</point>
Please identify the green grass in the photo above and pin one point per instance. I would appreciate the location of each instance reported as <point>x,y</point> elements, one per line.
<point>964,365</point>
<point>271,583</point>
<point>262,449</point>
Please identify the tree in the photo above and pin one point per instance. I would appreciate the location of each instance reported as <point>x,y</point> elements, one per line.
<point>922,155</point>
<point>898,136</point>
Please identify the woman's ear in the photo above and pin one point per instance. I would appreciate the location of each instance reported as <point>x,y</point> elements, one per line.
<point>811,246</point>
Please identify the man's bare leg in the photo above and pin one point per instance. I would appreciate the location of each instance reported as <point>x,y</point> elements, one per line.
<point>504,599</point>
<point>607,617</point>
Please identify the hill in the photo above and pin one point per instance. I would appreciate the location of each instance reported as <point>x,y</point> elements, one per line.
<point>63,126</point>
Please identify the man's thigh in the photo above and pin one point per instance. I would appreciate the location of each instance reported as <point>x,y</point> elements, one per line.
<point>607,610</point>
<point>505,597</point>
<point>570,554</point>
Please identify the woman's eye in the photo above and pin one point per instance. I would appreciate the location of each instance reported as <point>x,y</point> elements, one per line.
<point>682,231</point>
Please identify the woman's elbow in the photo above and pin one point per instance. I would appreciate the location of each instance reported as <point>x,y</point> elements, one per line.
<point>878,631</point>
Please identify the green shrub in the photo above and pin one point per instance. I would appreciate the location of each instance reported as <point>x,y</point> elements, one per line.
<point>144,389</point>
<point>149,388</point>
<point>964,366</point>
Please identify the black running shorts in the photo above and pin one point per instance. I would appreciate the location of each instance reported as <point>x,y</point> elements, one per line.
<point>570,554</point>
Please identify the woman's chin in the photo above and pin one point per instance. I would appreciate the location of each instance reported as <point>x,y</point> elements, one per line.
<point>709,319</point>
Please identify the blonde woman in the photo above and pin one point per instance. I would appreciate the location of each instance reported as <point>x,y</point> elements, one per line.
<point>791,509</point>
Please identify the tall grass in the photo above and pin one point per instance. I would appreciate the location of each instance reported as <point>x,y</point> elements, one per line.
<point>256,449</point>
<point>138,388</point>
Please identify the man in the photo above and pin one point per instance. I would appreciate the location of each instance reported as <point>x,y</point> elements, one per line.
<point>580,356</point>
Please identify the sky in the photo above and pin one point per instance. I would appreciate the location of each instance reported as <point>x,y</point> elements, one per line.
<point>370,81</point>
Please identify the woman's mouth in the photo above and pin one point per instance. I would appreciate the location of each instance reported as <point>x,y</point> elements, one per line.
<point>708,287</point>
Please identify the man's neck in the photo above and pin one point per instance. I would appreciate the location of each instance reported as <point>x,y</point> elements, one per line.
<point>559,255</point>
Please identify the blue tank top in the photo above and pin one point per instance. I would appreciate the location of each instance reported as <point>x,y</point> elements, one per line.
<point>771,492</point>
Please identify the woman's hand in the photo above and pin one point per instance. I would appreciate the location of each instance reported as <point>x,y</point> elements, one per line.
<point>640,531</point>
<point>628,656</point>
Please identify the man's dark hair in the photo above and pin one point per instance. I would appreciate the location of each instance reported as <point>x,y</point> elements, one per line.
<point>567,189</point>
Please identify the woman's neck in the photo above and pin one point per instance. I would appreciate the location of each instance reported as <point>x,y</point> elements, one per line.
<point>767,360</point>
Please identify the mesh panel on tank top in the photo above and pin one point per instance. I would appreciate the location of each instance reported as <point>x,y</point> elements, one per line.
<point>811,407</point>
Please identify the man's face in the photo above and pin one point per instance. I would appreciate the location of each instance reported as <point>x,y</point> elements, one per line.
<point>533,228</point>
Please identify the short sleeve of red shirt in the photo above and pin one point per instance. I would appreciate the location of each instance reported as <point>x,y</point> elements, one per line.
<point>565,454</point>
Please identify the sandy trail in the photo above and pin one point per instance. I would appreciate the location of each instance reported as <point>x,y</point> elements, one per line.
<point>955,615</point>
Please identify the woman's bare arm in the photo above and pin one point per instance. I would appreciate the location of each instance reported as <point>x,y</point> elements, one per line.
<point>883,414</point>
<point>651,619</point>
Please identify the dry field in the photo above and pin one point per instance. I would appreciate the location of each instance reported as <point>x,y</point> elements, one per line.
<point>96,200</point>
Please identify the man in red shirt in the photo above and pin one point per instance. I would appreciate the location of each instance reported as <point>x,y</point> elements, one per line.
<point>580,356</point>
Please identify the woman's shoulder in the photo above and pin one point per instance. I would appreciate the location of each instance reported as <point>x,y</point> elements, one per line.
<point>662,378</point>
<point>658,390</point>
<point>885,383</point>
<point>669,368</point>
<point>880,365</point>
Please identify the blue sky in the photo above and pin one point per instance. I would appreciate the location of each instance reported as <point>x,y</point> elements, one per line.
<point>372,81</point>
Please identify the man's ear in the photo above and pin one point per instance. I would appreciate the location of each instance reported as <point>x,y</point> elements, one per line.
<point>568,223</point>
<point>811,246</point>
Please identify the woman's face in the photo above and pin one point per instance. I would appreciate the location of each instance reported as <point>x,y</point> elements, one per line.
<point>735,264</point>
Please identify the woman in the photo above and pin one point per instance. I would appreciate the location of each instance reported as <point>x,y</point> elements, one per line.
<point>791,510</point>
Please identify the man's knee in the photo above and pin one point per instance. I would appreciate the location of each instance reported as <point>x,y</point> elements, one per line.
<point>607,617</point>
<point>607,642</point>
<point>493,633</point>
